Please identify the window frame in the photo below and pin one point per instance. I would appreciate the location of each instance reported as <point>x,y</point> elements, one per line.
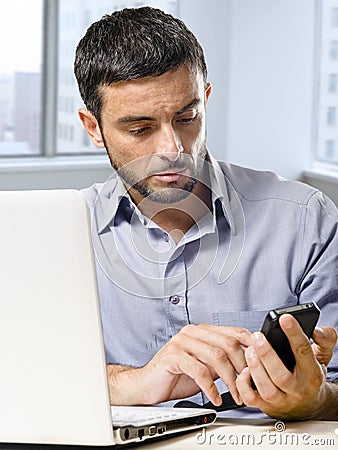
<point>319,164</point>
<point>48,169</point>
<point>49,78</point>
<point>48,144</point>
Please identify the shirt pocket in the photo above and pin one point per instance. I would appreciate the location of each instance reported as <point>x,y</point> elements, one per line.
<point>251,320</point>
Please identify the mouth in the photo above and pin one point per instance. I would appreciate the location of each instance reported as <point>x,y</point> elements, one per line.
<point>170,176</point>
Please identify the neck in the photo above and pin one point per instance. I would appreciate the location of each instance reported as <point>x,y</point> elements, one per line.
<point>177,218</point>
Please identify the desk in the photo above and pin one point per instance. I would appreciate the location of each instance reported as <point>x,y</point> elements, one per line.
<point>251,434</point>
<point>229,434</point>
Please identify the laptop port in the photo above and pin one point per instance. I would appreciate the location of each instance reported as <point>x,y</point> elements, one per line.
<point>126,434</point>
<point>161,429</point>
<point>140,433</point>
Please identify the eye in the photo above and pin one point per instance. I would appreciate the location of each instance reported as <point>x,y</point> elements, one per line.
<point>187,119</point>
<point>139,131</point>
<point>190,119</point>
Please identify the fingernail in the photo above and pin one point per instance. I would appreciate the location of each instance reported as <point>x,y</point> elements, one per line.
<point>245,370</point>
<point>287,322</point>
<point>250,353</point>
<point>236,397</point>
<point>258,338</point>
<point>218,401</point>
<point>320,332</point>
<point>238,400</point>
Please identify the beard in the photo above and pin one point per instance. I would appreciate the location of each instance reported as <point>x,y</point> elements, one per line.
<point>165,195</point>
<point>174,192</point>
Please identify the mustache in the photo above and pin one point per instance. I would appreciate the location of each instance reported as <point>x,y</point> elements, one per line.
<point>163,168</point>
<point>155,164</point>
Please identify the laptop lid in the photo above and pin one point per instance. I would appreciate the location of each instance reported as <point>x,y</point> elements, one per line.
<point>53,385</point>
<point>53,379</point>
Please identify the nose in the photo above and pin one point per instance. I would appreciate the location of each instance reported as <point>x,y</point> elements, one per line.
<point>169,144</point>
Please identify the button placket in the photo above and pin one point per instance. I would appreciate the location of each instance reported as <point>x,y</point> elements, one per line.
<point>175,288</point>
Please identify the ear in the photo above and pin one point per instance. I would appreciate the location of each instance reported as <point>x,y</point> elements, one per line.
<point>207,92</point>
<point>92,127</point>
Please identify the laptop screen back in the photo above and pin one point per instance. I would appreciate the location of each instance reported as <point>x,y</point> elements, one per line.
<point>53,378</point>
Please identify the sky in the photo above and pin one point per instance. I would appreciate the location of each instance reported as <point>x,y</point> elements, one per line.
<point>20,35</point>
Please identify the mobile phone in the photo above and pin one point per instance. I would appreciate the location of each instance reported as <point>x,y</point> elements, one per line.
<point>307,315</point>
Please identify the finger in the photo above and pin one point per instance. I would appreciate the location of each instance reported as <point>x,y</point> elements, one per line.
<point>215,357</point>
<point>227,346</point>
<point>325,339</point>
<point>242,335</point>
<point>279,375</point>
<point>262,378</point>
<point>200,374</point>
<point>249,396</point>
<point>300,344</point>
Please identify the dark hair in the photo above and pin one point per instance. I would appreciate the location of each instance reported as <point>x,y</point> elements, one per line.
<point>129,44</point>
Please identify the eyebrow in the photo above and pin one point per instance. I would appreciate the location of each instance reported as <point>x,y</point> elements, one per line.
<point>130,119</point>
<point>192,104</point>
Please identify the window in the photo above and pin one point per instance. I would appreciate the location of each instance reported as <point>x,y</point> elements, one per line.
<point>330,148</point>
<point>74,17</point>
<point>327,132</point>
<point>334,17</point>
<point>333,49</point>
<point>333,83</point>
<point>331,116</point>
<point>38,103</point>
<point>20,77</point>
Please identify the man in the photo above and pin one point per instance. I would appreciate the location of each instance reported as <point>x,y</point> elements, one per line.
<point>191,254</point>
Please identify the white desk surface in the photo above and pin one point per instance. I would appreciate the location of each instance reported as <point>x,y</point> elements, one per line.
<point>229,434</point>
<point>251,434</point>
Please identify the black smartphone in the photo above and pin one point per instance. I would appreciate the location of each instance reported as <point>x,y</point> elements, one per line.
<point>307,315</point>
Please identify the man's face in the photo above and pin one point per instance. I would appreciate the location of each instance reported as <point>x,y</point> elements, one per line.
<point>153,129</point>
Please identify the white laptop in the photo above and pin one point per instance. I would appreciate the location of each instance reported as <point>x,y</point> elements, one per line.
<point>53,387</point>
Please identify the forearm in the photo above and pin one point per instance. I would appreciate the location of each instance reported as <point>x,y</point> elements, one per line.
<point>123,386</point>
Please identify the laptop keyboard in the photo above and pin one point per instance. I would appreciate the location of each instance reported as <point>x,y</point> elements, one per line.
<point>143,415</point>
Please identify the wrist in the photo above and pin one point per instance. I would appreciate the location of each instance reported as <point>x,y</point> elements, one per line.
<point>123,387</point>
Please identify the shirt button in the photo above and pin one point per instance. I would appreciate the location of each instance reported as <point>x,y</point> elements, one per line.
<point>174,299</point>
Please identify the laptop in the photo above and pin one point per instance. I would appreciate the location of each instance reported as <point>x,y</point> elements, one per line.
<point>53,386</point>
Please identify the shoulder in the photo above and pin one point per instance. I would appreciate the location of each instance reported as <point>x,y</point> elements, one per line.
<point>92,195</point>
<point>102,193</point>
<point>92,192</point>
<point>258,185</point>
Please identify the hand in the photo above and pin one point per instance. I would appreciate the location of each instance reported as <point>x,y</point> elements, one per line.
<point>187,364</point>
<point>280,393</point>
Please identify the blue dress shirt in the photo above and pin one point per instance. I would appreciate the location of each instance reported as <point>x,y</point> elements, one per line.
<point>267,243</point>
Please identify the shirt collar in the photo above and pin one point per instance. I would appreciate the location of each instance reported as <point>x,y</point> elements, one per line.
<point>113,191</point>
<point>108,201</point>
<point>219,190</point>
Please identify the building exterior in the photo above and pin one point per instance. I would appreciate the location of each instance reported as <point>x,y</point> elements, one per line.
<point>75,17</point>
<point>27,109</point>
<point>327,142</point>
